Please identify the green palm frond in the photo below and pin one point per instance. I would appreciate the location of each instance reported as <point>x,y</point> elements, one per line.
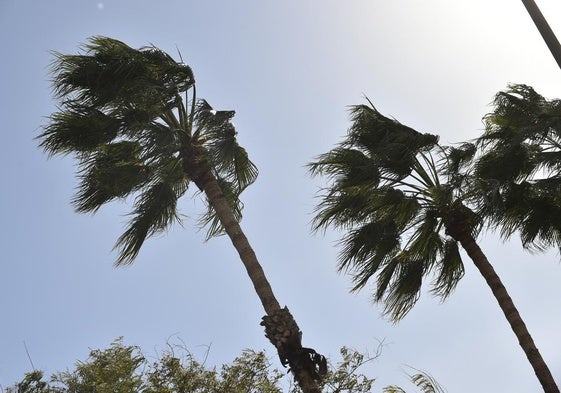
<point>534,212</point>
<point>113,171</point>
<point>356,205</point>
<point>425,241</point>
<point>512,163</point>
<point>110,74</point>
<point>364,250</point>
<point>350,166</point>
<point>392,144</point>
<point>450,270</point>
<point>520,165</point>
<point>228,158</point>
<point>78,129</point>
<point>159,142</point>
<point>401,292</point>
<point>155,210</point>
<point>456,162</point>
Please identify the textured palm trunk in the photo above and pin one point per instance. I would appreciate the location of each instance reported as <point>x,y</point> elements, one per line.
<point>545,30</point>
<point>461,233</point>
<point>281,328</point>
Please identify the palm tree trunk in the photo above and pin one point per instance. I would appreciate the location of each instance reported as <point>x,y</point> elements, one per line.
<point>287,340</point>
<point>545,30</point>
<point>214,194</point>
<point>507,306</point>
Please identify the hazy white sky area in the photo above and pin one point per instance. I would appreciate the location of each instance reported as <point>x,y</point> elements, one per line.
<point>290,69</point>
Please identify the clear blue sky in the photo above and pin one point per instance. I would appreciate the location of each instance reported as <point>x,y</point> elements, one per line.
<point>289,69</point>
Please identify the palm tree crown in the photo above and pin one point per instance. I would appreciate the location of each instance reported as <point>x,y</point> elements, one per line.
<point>386,193</point>
<point>133,121</point>
<point>519,167</point>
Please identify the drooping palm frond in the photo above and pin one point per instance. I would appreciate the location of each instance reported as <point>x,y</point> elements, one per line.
<point>451,270</point>
<point>228,158</point>
<point>155,210</point>
<point>78,129</point>
<point>113,171</point>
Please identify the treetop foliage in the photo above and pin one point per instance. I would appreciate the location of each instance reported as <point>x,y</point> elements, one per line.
<point>124,369</point>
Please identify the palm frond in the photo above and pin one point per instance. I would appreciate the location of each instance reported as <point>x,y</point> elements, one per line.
<point>228,158</point>
<point>392,144</point>
<point>155,210</point>
<point>457,160</point>
<point>450,269</point>
<point>426,383</point>
<point>344,208</point>
<point>404,287</point>
<point>519,165</point>
<point>159,142</point>
<point>113,171</point>
<point>425,241</point>
<point>78,129</point>
<point>348,167</point>
<point>111,74</point>
<point>364,250</point>
<point>512,163</point>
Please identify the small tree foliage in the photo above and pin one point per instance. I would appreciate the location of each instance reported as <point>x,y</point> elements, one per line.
<point>124,369</point>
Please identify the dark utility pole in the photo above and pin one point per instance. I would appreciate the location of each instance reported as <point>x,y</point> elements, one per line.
<point>544,29</point>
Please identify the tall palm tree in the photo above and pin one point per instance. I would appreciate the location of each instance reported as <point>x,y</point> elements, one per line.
<point>403,202</point>
<point>133,121</point>
<point>545,30</point>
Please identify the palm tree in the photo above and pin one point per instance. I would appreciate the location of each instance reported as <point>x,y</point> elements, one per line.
<point>133,121</point>
<point>545,30</point>
<point>403,202</point>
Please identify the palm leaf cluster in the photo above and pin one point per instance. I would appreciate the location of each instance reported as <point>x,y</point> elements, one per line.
<point>386,194</point>
<point>132,120</point>
<point>519,166</point>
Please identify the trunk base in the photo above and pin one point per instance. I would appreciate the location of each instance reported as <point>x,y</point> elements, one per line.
<point>307,366</point>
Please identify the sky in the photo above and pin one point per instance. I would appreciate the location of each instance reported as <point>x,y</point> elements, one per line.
<point>290,70</point>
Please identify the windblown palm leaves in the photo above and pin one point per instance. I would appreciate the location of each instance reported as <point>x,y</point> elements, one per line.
<point>519,166</point>
<point>386,193</point>
<point>133,121</point>
<point>405,203</point>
